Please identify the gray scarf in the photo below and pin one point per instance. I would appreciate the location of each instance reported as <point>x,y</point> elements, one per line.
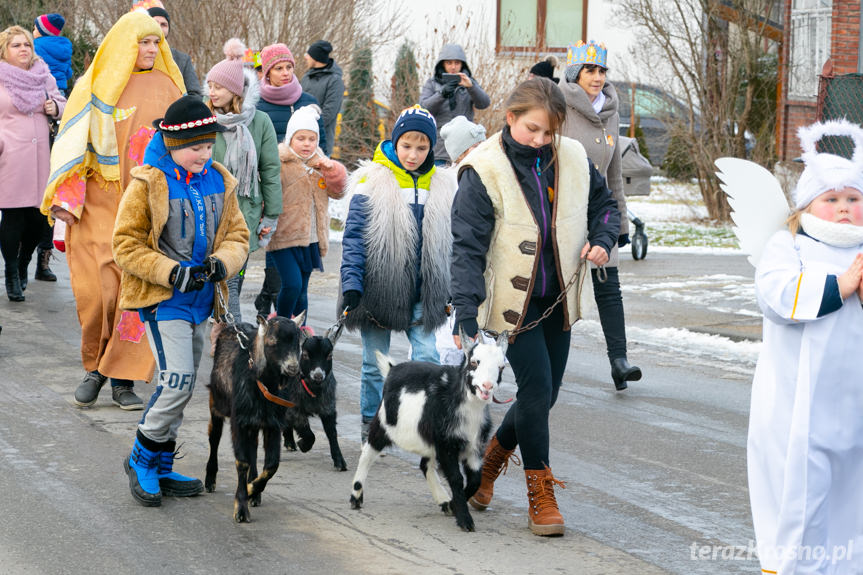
<point>241,158</point>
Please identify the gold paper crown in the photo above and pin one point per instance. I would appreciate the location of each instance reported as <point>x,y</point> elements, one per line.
<point>590,53</point>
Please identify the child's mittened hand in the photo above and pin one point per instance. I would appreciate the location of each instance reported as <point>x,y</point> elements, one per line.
<point>216,271</point>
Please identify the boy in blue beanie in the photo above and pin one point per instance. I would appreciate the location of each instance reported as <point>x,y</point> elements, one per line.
<point>396,249</point>
<point>55,49</point>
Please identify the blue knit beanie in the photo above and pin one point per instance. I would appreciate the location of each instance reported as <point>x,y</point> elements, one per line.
<point>415,119</point>
<point>49,24</point>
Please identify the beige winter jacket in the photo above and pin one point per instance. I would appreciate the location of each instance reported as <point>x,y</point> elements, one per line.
<point>300,188</point>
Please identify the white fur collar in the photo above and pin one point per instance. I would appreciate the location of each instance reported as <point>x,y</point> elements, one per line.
<point>831,233</point>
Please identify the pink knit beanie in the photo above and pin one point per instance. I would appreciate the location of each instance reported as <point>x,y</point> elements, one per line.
<point>273,54</point>
<point>229,75</point>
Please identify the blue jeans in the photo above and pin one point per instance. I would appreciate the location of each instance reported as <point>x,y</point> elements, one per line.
<point>423,348</point>
<point>294,293</point>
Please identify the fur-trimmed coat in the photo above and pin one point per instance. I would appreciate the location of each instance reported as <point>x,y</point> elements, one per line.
<point>397,244</point>
<point>140,222</point>
<point>303,189</point>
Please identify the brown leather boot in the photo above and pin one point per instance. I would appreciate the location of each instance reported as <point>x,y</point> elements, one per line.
<point>495,461</point>
<point>544,518</point>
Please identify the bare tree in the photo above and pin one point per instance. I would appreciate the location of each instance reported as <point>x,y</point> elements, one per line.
<point>715,56</point>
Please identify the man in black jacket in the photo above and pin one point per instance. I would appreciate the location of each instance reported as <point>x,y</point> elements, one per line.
<point>184,62</point>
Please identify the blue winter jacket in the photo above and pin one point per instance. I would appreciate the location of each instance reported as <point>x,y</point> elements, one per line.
<point>196,203</point>
<point>353,240</point>
<point>57,53</point>
<point>280,115</point>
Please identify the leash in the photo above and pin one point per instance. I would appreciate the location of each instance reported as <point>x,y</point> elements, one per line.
<point>243,340</point>
<point>274,398</point>
<point>602,275</point>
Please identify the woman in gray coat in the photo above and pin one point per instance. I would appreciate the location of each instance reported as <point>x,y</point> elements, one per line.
<point>447,97</point>
<point>592,119</point>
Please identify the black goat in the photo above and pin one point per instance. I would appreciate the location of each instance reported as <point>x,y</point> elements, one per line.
<point>440,413</point>
<point>269,358</point>
<point>316,395</point>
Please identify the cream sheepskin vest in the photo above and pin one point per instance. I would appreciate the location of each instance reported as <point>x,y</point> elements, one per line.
<point>513,255</point>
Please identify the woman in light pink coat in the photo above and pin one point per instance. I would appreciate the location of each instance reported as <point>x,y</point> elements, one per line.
<point>28,99</point>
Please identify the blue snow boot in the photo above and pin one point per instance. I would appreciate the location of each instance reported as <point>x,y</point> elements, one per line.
<point>142,467</point>
<point>172,483</point>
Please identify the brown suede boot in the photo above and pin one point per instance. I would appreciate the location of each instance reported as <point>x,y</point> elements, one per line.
<point>543,516</point>
<point>495,461</point>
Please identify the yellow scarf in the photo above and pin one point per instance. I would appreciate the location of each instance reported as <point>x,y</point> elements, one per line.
<point>86,141</point>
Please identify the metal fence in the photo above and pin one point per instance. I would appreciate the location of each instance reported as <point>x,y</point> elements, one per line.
<point>840,97</point>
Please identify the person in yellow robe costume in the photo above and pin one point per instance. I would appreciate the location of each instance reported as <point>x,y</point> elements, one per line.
<point>105,129</point>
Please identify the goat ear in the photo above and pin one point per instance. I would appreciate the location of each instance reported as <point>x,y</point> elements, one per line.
<point>335,332</point>
<point>503,341</point>
<point>467,344</point>
<point>299,319</point>
<point>262,320</point>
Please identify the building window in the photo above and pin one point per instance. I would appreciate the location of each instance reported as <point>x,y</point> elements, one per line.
<point>810,45</point>
<point>539,25</point>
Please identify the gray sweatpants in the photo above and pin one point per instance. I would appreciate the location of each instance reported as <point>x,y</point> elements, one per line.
<point>177,346</point>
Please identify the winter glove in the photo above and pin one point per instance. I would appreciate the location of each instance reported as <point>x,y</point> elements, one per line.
<point>216,271</point>
<point>622,240</point>
<point>351,299</point>
<point>187,279</point>
<point>448,89</point>
<point>266,222</point>
<point>469,326</point>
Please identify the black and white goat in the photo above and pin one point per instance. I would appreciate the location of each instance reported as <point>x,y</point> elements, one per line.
<point>316,395</point>
<point>440,413</point>
<point>248,384</point>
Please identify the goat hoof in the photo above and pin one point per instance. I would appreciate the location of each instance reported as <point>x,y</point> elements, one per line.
<point>305,444</point>
<point>255,500</point>
<point>445,507</point>
<point>290,445</point>
<point>241,514</point>
<point>466,523</point>
<point>340,464</point>
<point>356,502</point>
<point>210,487</point>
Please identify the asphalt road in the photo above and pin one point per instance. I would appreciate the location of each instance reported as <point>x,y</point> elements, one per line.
<point>656,478</point>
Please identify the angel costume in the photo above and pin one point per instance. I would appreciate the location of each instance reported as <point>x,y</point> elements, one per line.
<point>805,446</point>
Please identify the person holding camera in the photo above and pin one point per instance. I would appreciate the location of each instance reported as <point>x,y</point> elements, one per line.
<point>451,92</point>
<point>178,237</point>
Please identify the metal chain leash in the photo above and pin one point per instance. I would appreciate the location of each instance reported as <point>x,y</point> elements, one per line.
<point>601,276</point>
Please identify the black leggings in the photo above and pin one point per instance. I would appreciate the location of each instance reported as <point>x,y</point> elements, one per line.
<point>609,304</point>
<point>21,230</point>
<point>538,359</point>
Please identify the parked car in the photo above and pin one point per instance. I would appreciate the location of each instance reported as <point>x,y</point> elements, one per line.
<point>654,108</point>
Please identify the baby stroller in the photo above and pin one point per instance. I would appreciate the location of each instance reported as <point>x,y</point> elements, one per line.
<point>636,171</point>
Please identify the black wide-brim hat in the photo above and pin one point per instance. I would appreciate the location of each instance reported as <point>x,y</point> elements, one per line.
<point>188,118</point>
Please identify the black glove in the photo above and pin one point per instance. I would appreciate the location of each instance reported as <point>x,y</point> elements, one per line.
<point>216,271</point>
<point>187,279</point>
<point>622,240</point>
<point>469,326</point>
<point>448,90</point>
<point>351,299</point>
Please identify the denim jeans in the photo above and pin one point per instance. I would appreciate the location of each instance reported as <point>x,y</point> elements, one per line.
<point>423,348</point>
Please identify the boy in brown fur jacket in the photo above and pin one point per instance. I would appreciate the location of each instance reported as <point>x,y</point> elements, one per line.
<point>178,236</point>
<point>300,241</point>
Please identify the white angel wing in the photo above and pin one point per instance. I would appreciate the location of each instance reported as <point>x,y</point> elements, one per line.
<point>758,203</point>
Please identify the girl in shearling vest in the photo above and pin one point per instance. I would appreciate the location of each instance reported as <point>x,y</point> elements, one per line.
<point>309,179</point>
<point>529,207</point>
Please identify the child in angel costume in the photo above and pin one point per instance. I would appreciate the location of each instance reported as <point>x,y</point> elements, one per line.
<point>805,446</point>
